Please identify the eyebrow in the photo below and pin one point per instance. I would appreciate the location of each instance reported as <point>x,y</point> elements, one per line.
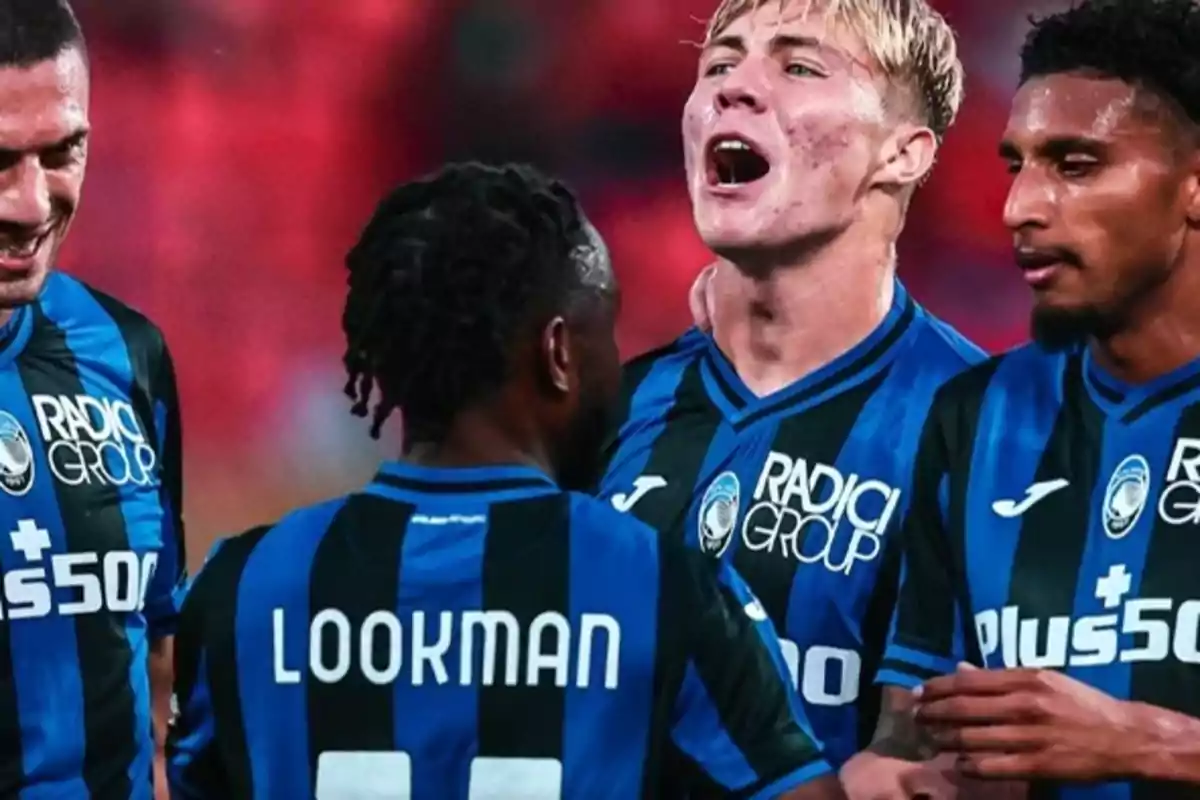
<point>70,140</point>
<point>782,41</point>
<point>1054,147</point>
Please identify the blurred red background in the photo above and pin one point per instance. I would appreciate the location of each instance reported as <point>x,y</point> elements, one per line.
<point>240,144</point>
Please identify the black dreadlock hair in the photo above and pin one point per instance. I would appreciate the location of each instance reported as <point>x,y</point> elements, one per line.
<point>36,30</point>
<point>447,274</point>
<point>1154,44</point>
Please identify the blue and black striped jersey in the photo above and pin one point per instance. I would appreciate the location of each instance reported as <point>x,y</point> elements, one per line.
<point>801,490</point>
<point>1054,524</point>
<point>92,546</point>
<point>464,633</point>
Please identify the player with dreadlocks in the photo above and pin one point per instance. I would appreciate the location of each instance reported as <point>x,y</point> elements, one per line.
<point>464,627</point>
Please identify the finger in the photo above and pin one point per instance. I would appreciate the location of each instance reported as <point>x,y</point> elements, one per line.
<point>980,681</point>
<point>991,738</point>
<point>1002,766</point>
<point>979,709</point>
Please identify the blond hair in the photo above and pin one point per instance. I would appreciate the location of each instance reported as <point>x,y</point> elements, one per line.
<point>910,41</point>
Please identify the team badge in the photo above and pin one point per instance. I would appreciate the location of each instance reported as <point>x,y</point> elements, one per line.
<point>718,514</point>
<point>16,456</point>
<point>1126,496</point>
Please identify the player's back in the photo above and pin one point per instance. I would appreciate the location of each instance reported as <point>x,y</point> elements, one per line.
<point>801,490</point>
<point>443,634</point>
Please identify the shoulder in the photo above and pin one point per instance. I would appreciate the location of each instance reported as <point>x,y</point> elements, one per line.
<point>942,347</point>
<point>69,301</point>
<point>593,516</point>
<point>664,365</point>
<point>229,557</point>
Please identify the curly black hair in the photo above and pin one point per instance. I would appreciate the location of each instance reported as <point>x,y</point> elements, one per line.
<point>1154,44</point>
<point>36,30</point>
<point>449,272</point>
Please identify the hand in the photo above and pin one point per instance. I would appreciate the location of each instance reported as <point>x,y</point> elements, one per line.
<point>701,300</point>
<point>871,776</point>
<point>1029,724</point>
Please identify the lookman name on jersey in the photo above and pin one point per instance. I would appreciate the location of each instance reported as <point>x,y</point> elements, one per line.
<point>384,643</point>
<point>801,490</point>
<point>91,546</point>
<point>1037,466</point>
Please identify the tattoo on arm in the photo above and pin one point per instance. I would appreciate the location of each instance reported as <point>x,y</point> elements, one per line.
<point>898,735</point>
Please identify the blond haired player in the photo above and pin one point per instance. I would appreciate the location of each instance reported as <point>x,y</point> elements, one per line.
<point>810,126</point>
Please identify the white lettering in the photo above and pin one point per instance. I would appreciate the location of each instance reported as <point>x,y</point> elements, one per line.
<point>825,676</point>
<point>473,648</point>
<point>78,583</point>
<point>1149,629</point>
<point>94,441</point>
<point>799,507</point>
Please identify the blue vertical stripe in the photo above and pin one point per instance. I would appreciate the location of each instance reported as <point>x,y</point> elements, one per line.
<point>276,577</point>
<point>598,565</point>
<point>105,372</point>
<point>1003,468</point>
<point>45,660</point>
<point>440,568</point>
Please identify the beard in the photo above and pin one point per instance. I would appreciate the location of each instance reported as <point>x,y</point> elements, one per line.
<point>1059,329</point>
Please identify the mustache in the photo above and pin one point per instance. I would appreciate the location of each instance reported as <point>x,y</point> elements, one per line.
<point>1030,257</point>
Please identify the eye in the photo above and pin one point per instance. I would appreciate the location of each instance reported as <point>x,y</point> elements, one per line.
<point>63,155</point>
<point>1012,166</point>
<point>717,68</point>
<point>800,70</point>
<point>1076,167</point>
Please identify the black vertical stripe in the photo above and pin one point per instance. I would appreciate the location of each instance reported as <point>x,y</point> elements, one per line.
<point>93,522</point>
<point>925,615</point>
<point>678,454</point>
<point>12,769</point>
<point>521,533</point>
<point>632,375</point>
<point>356,570</point>
<point>208,622</point>
<point>668,772</point>
<point>1170,571</point>
<point>1045,568</point>
<point>817,435</point>
<point>154,382</point>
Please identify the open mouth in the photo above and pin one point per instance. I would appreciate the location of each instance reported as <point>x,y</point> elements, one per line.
<point>23,247</point>
<point>733,161</point>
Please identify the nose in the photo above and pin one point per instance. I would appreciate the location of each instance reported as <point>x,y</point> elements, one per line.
<point>25,193</point>
<point>743,87</point>
<point>1029,202</point>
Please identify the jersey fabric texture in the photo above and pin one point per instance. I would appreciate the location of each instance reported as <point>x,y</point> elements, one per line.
<point>801,491</point>
<point>460,633</point>
<point>1054,524</point>
<point>92,547</point>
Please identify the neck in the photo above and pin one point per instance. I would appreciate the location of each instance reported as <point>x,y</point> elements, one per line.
<point>480,437</point>
<point>1161,335</point>
<point>780,322</point>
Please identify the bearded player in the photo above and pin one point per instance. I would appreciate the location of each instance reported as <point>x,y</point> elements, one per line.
<point>1052,535</point>
<point>782,441</point>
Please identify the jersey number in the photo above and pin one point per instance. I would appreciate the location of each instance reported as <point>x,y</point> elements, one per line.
<point>830,675</point>
<point>368,775</point>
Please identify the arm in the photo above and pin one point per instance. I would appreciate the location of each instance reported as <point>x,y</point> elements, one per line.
<point>735,716</point>
<point>161,677</point>
<point>1169,745</point>
<point>194,767</point>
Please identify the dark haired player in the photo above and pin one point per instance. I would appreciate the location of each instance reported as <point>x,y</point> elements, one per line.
<point>1054,534</point>
<point>463,627</point>
<point>91,543</point>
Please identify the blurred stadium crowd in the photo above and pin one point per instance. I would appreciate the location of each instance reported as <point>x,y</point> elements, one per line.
<point>241,143</point>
